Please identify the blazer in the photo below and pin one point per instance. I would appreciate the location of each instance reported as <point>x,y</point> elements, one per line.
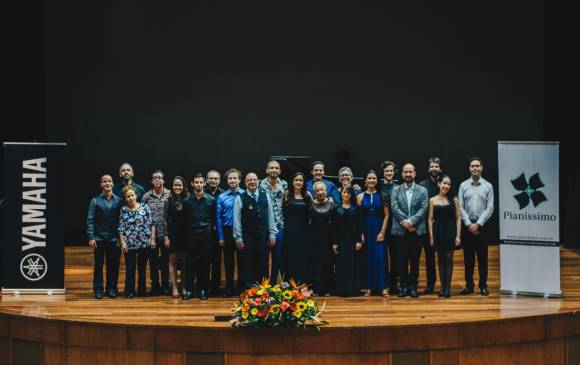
<point>400,210</point>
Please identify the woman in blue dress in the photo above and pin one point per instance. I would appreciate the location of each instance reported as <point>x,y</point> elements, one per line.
<point>137,236</point>
<point>374,215</point>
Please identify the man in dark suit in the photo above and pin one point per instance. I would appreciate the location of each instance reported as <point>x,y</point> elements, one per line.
<point>409,204</point>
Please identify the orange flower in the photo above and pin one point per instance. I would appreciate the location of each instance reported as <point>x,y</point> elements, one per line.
<point>258,301</point>
<point>284,306</point>
<point>262,313</point>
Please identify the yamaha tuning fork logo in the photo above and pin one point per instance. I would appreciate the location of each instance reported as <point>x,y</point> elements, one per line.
<point>33,267</point>
<point>529,191</point>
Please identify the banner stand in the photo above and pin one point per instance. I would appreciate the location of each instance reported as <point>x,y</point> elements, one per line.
<point>33,237</point>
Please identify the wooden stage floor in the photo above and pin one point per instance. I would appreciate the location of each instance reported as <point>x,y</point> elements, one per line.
<point>77,329</point>
<point>78,303</point>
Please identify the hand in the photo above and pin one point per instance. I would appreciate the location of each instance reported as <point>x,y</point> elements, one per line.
<point>358,246</point>
<point>474,228</point>
<point>240,245</point>
<point>221,243</point>
<point>381,236</point>
<point>272,242</point>
<point>335,249</point>
<point>92,244</point>
<point>153,243</point>
<point>431,242</point>
<point>411,229</point>
<point>406,224</point>
<point>166,241</point>
<point>124,247</point>
<point>356,187</point>
<point>457,241</point>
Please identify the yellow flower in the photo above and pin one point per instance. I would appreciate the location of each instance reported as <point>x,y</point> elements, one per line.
<point>238,309</point>
<point>301,306</point>
<point>298,314</point>
<point>254,311</point>
<point>287,294</point>
<point>245,315</point>
<point>260,292</point>
<point>275,309</point>
<point>310,303</point>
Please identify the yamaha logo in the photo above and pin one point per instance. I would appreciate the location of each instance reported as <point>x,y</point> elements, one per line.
<point>33,267</point>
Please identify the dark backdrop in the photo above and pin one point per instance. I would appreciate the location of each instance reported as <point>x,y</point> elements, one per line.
<point>196,86</point>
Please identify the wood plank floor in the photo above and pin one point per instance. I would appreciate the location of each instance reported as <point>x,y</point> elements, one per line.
<point>79,305</point>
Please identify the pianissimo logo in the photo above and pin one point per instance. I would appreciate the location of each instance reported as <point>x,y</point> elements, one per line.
<point>33,267</point>
<point>529,190</point>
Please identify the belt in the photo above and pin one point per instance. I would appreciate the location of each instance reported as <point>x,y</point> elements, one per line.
<point>201,229</point>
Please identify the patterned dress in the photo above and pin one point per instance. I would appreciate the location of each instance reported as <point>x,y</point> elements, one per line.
<point>135,226</point>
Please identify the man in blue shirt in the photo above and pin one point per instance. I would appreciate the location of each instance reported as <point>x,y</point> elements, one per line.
<point>317,175</point>
<point>126,174</point>
<point>102,220</point>
<point>224,225</point>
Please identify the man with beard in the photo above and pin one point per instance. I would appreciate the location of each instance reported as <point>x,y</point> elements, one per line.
<point>213,189</point>
<point>409,205</point>
<point>157,199</point>
<point>254,231</point>
<point>434,171</point>
<point>126,175</point>
<point>200,212</point>
<point>275,188</point>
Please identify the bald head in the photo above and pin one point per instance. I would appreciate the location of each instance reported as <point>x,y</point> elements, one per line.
<point>409,173</point>
<point>251,181</point>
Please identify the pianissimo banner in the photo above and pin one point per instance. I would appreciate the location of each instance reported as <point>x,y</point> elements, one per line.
<point>33,250</point>
<point>529,217</point>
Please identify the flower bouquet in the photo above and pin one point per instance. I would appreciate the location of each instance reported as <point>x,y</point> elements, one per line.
<point>282,305</point>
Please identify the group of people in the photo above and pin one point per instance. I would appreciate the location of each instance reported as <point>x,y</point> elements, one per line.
<point>343,240</point>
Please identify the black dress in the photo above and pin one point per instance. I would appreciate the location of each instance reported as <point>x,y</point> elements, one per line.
<point>296,239</point>
<point>444,228</point>
<point>321,237</point>
<point>176,226</point>
<point>348,233</point>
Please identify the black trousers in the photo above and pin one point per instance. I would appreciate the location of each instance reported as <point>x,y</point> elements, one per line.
<point>159,260</point>
<point>198,253</point>
<point>216,263</point>
<point>229,254</point>
<point>136,258</point>
<point>474,245</point>
<point>110,251</point>
<point>429,262</point>
<point>251,260</point>
<point>408,251</point>
<point>393,260</point>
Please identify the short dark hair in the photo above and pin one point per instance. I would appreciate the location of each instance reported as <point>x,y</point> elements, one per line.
<point>434,159</point>
<point>232,170</point>
<point>387,163</point>
<point>157,172</point>
<point>197,175</point>
<point>475,158</point>
<point>316,163</point>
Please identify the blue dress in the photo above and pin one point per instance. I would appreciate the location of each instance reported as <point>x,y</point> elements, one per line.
<point>372,220</point>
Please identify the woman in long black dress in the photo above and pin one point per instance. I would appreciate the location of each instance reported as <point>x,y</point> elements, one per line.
<point>297,201</point>
<point>175,227</point>
<point>321,238</point>
<point>348,244</point>
<point>444,225</point>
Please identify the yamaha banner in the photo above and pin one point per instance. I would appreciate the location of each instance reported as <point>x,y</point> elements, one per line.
<point>33,249</point>
<point>529,216</point>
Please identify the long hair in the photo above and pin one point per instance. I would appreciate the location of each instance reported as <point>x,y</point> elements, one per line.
<point>178,199</point>
<point>451,193</point>
<point>303,190</point>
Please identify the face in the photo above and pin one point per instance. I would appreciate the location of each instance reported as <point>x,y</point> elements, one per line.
<point>475,168</point>
<point>233,180</point>
<point>126,172</point>
<point>273,169</point>
<point>434,169</point>
<point>298,182</point>
<point>177,186</point>
<point>389,173</point>
<point>130,197</point>
<point>157,180</point>
<point>320,190</point>
<point>318,171</point>
<point>213,179</point>
<point>371,180</point>
<point>345,195</point>
<point>198,184</point>
<point>345,178</point>
<point>444,185</point>
<point>252,181</point>
<point>409,173</point>
<point>106,183</point>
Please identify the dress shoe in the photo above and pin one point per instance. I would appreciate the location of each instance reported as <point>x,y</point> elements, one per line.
<point>112,293</point>
<point>403,293</point>
<point>466,291</point>
<point>441,293</point>
<point>413,293</point>
<point>153,292</point>
<point>187,295</point>
<point>129,295</point>
<point>203,295</point>
<point>166,291</point>
<point>394,291</point>
<point>484,291</point>
<point>428,290</point>
<point>447,293</point>
<point>143,293</point>
<point>98,294</point>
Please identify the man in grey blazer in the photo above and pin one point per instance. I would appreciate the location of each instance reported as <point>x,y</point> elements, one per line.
<point>409,206</point>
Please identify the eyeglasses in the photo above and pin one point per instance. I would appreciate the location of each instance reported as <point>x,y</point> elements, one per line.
<point>157,177</point>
